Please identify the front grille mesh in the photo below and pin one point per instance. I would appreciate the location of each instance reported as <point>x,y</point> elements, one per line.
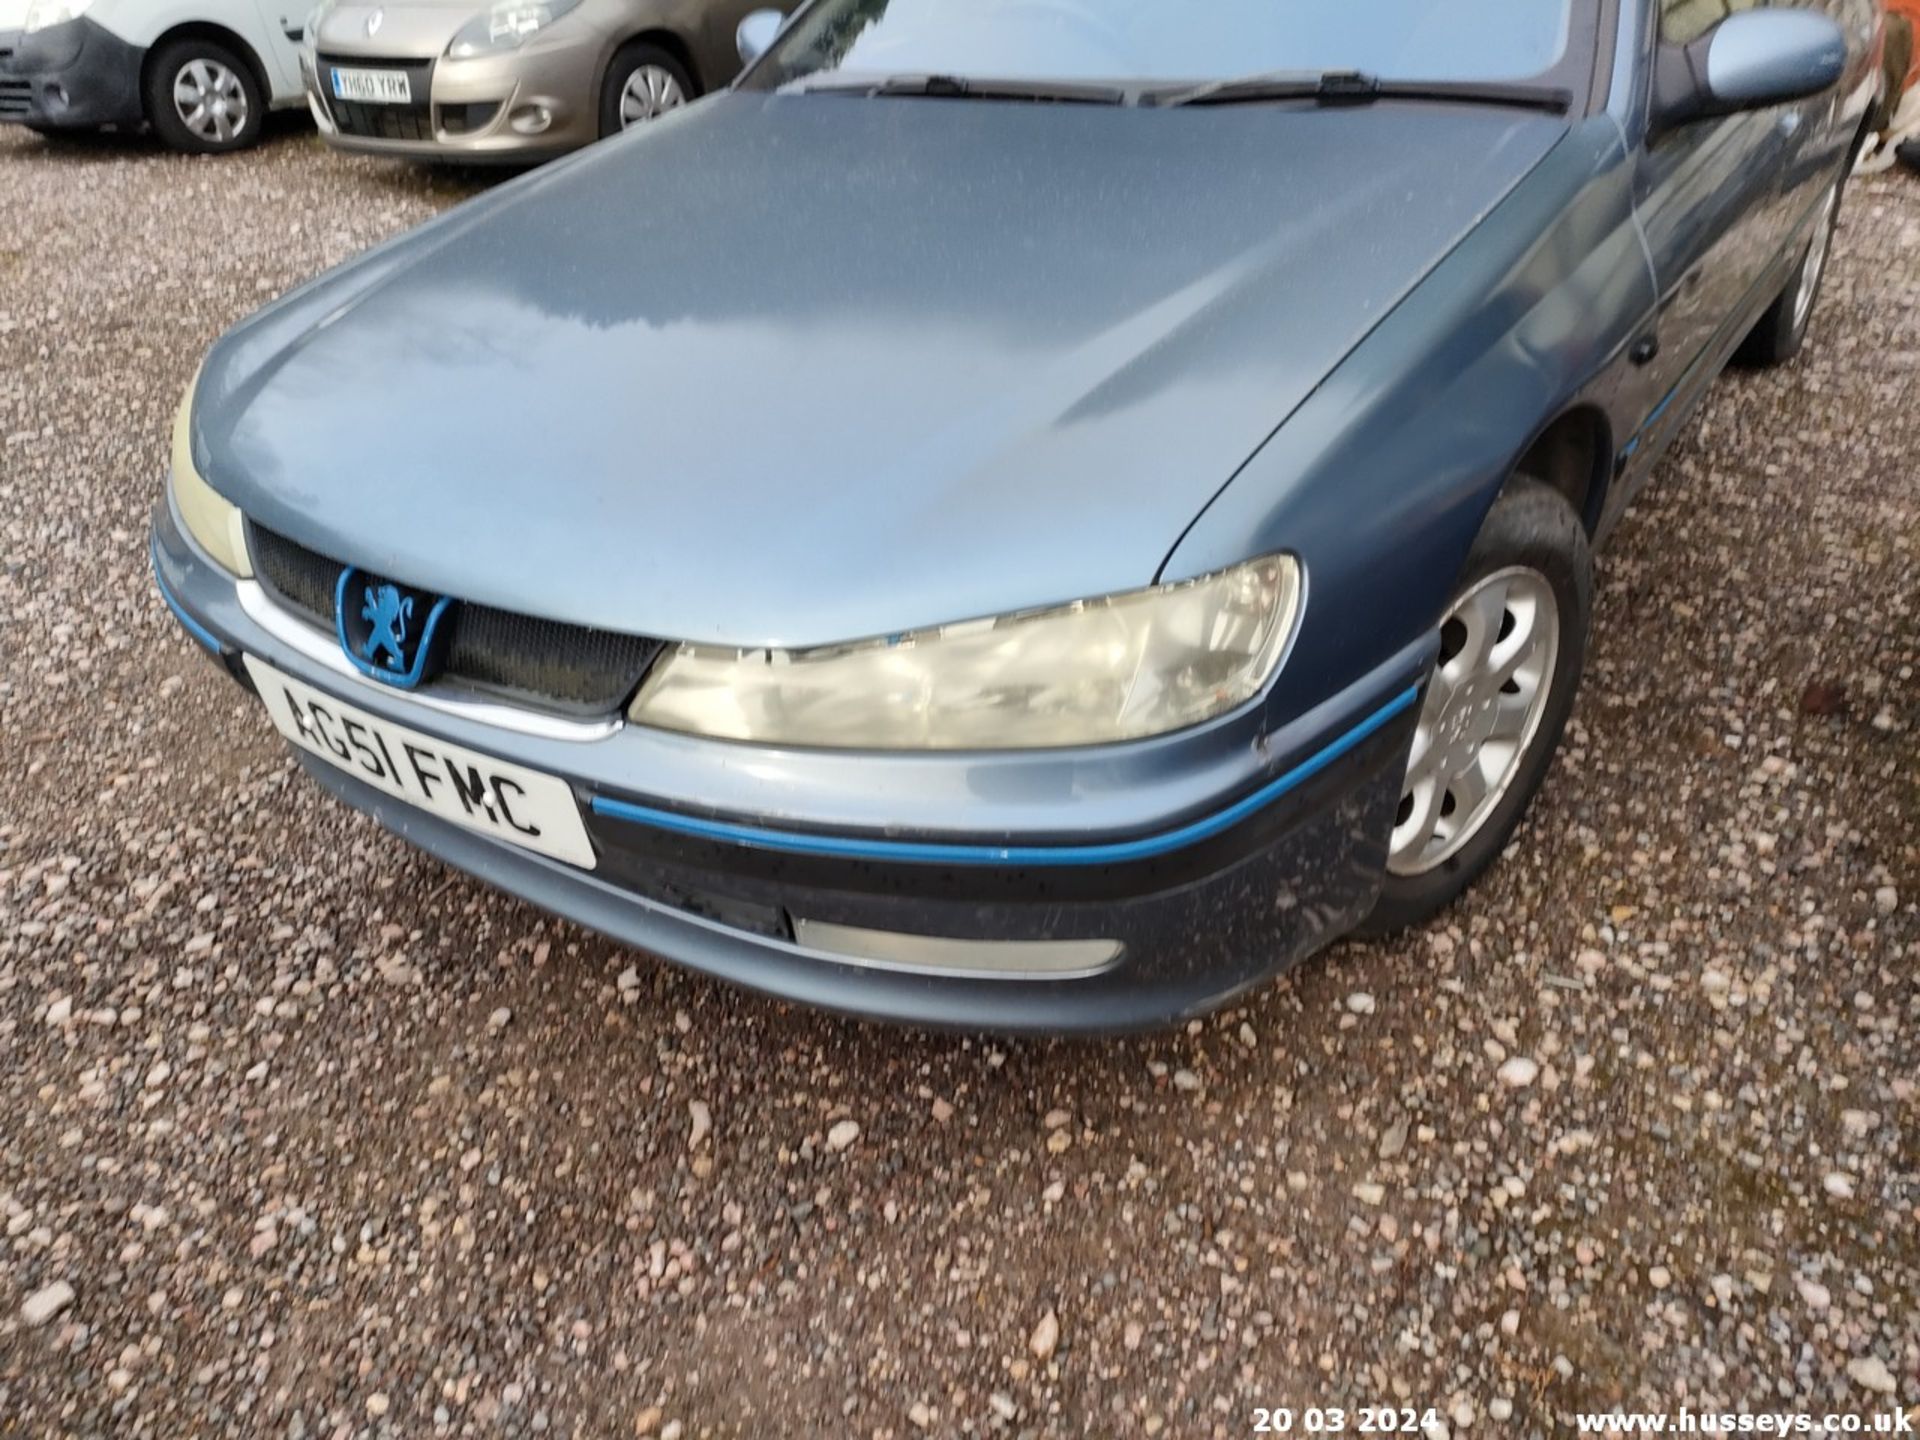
<point>530,656</point>
<point>467,119</point>
<point>572,669</point>
<point>303,579</point>
<point>381,122</point>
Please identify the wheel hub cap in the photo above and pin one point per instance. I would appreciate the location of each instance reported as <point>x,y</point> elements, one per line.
<point>1816,262</point>
<point>650,91</point>
<point>209,100</point>
<point>1498,647</point>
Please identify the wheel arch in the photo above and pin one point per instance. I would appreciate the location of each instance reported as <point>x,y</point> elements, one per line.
<point>1572,455</point>
<point>667,40</point>
<point>219,35</point>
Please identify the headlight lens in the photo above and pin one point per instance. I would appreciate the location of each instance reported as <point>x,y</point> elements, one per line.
<point>506,25</point>
<point>42,13</point>
<point>212,521</point>
<point>1119,668</point>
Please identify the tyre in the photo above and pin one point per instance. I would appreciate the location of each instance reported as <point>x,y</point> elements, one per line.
<point>643,83</point>
<point>202,98</point>
<point>1512,649</point>
<point>1781,332</point>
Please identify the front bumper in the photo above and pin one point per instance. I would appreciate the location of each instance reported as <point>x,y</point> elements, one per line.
<point>1210,860</point>
<point>523,106</point>
<point>74,75</point>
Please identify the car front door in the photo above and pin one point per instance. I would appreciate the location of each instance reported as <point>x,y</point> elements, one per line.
<point>1830,123</point>
<point>281,23</point>
<point>1709,198</point>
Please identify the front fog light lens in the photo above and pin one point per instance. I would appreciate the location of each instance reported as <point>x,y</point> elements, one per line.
<point>531,119</point>
<point>213,521</point>
<point>1119,668</point>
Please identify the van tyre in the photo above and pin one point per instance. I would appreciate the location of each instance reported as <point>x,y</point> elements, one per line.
<point>202,98</point>
<point>1513,645</point>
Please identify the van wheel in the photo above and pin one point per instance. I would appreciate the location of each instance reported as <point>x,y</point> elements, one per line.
<point>202,99</point>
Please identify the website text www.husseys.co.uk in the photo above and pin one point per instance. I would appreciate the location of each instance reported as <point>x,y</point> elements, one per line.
<point>1711,1422</point>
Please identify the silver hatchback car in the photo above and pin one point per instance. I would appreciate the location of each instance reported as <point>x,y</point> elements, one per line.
<point>516,80</point>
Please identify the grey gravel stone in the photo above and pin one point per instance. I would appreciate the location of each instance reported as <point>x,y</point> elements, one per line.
<point>1519,1072</point>
<point>45,1303</point>
<point>1870,1372</point>
<point>503,1231</point>
<point>843,1134</point>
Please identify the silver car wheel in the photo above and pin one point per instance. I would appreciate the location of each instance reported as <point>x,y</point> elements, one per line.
<point>210,100</point>
<point>650,92</point>
<point>1815,264</point>
<point>1498,648</point>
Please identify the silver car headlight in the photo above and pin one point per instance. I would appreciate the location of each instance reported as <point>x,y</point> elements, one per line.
<point>1119,668</point>
<point>43,13</point>
<point>212,520</point>
<point>506,26</point>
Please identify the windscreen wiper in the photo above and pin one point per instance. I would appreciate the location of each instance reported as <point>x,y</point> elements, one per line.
<point>1354,87</point>
<point>967,87</point>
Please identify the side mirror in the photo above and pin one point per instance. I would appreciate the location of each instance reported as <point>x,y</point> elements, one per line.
<point>1749,61</point>
<point>757,33</point>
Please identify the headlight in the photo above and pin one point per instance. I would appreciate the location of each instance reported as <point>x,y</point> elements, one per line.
<point>504,26</point>
<point>212,521</point>
<point>42,13</point>
<point>1119,668</point>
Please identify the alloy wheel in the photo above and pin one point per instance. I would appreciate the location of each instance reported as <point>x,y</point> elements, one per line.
<point>650,91</point>
<point>1498,648</point>
<point>210,100</point>
<point>1815,264</point>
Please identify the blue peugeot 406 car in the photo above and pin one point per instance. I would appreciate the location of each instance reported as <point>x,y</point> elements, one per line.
<point>1027,516</point>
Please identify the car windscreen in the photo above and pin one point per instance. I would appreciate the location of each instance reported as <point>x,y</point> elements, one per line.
<point>1158,41</point>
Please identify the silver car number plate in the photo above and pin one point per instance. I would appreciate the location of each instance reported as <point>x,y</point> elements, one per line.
<point>373,87</point>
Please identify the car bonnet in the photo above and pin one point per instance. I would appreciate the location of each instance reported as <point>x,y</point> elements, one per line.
<point>791,370</point>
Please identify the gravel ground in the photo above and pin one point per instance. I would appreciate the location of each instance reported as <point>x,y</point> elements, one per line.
<point>302,1134</point>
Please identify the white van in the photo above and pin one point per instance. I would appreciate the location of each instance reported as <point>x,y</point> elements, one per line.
<point>202,73</point>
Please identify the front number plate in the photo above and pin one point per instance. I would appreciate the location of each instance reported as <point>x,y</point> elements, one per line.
<point>506,802</point>
<point>374,87</point>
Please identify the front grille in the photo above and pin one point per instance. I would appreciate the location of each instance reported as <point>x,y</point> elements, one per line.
<point>304,580</point>
<point>468,119</point>
<point>571,669</point>
<point>16,96</point>
<point>412,121</point>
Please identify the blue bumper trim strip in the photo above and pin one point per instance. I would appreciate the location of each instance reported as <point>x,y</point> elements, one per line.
<point>194,628</point>
<point>944,854</point>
